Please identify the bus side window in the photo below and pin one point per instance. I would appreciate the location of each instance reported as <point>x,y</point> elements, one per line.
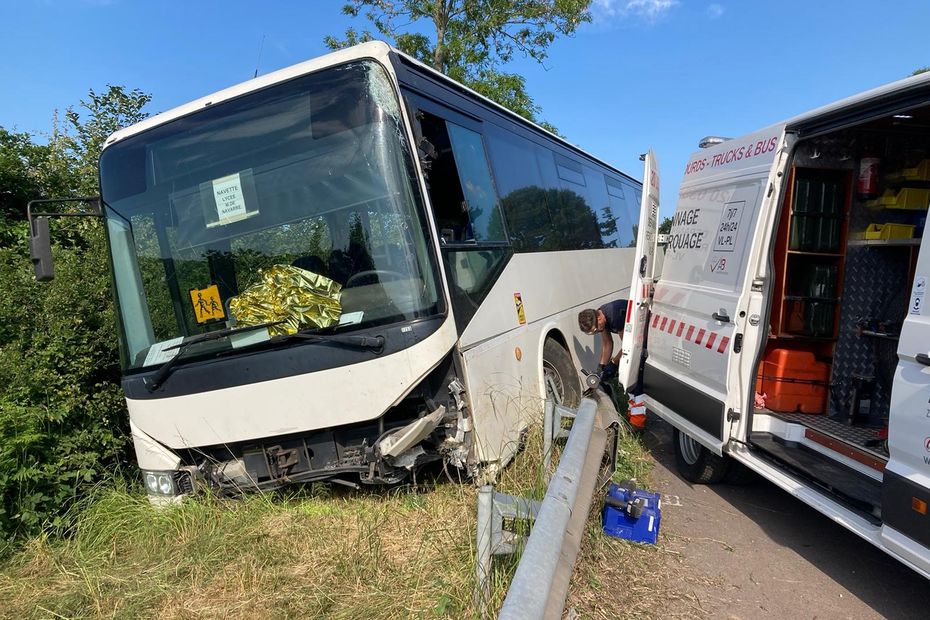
<point>478,186</point>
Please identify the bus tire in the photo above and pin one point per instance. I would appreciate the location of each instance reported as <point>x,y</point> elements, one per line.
<point>559,373</point>
<point>696,463</point>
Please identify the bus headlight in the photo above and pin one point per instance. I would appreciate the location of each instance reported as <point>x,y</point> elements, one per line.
<point>159,482</point>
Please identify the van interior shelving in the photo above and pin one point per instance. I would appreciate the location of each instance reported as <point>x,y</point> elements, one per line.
<point>844,266</point>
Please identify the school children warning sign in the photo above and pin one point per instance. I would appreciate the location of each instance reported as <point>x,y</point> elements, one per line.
<point>208,306</point>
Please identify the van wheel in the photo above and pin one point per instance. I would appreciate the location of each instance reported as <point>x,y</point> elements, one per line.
<point>740,475</point>
<point>696,463</point>
<point>559,375</point>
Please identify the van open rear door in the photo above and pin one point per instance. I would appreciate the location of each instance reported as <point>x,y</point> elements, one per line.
<point>637,309</point>
<point>705,323</point>
<point>906,480</point>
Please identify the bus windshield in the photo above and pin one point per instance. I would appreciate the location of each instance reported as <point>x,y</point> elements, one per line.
<point>310,179</point>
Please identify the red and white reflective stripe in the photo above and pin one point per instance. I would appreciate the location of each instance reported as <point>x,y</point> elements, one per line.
<point>698,335</point>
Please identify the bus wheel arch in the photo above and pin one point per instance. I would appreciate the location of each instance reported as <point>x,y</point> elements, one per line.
<point>557,370</point>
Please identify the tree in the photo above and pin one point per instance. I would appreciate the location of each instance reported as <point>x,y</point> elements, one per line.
<point>106,113</point>
<point>666,226</point>
<point>472,39</point>
<point>63,423</point>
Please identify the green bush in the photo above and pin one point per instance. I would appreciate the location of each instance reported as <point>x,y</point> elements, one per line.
<point>63,423</point>
<point>62,417</point>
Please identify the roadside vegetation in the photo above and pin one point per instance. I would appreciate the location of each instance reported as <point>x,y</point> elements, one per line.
<point>320,551</point>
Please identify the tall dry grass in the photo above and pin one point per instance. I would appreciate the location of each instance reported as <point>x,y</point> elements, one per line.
<point>322,551</point>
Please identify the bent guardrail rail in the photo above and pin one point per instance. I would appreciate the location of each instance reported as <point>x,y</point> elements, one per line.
<point>540,585</point>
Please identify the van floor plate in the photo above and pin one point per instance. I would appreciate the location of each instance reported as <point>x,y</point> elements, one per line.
<point>858,436</point>
<point>861,492</point>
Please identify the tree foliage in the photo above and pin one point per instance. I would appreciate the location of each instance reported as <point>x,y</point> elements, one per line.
<point>63,424</point>
<point>471,40</point>
<point>666,226</point>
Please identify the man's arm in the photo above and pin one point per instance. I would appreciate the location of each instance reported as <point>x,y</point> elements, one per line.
<point>616,358</point>
<point>607,346</point>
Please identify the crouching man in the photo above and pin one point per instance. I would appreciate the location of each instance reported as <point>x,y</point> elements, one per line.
<point>607,320</point>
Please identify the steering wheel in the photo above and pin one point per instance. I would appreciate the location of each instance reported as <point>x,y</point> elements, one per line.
<point>393,275</point>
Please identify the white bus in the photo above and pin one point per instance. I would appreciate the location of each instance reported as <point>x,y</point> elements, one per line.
<point>428,249</point>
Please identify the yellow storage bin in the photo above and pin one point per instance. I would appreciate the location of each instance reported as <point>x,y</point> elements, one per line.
<point>886,198</point>
<point>885,232</point>
<point>921,172</point>
<point>906,198</point>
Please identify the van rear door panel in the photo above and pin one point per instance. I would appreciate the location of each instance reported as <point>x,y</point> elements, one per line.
<point>644,268</point>
<point>906,481</point>
<point>689,348</point>
<point>704,284</point>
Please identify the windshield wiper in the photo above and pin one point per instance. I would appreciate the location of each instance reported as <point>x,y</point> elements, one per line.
<point>373,343</point>
<point>154,381</point>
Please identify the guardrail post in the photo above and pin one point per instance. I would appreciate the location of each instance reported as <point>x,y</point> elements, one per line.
<point>483,546</point>
<point>553,415</point>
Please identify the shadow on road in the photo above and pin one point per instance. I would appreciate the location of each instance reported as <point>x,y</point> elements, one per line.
<point>885,585</point>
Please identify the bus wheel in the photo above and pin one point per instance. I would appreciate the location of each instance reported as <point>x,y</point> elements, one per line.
<point>695,462</point>
<point>560,376</point>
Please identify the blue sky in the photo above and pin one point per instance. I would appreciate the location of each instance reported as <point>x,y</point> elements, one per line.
<point>645,73</point>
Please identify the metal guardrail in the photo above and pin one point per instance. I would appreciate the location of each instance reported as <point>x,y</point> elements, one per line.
<point>540,585</point>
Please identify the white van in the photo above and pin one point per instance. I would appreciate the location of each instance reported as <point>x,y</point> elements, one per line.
<point>787,332</point>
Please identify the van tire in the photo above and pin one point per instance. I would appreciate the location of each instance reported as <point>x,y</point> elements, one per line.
<point>740,475</point>
<point>558,367</point>
<point>696,463</point>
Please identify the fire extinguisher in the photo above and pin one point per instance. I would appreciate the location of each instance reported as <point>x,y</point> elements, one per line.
<point>868,176</point>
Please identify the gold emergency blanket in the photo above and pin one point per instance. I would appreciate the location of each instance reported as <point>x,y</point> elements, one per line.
<point>300,298</point>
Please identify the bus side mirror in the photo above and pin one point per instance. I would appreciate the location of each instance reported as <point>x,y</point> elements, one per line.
<point>40,249</point>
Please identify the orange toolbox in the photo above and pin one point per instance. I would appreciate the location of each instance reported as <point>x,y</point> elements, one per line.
<point>793,381</point>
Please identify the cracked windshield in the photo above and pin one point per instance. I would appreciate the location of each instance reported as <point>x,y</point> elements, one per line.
<point>292,206</point>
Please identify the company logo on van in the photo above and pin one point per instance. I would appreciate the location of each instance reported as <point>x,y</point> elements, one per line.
<point>732,155</point>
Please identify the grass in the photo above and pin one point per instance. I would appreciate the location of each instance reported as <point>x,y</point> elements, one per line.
<point>322,551</point>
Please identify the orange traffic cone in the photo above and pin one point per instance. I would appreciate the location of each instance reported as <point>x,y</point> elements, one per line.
<point>636,413</point>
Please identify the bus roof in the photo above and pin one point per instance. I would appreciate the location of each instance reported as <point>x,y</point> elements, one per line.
<point>378,50</point>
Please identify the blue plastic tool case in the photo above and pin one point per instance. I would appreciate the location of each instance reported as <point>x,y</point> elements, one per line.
<point>619,523</point>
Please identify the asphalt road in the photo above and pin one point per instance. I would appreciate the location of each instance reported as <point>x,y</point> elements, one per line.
<point>756,552</point>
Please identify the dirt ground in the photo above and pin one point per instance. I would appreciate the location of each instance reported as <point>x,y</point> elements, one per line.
<point>756,552</point>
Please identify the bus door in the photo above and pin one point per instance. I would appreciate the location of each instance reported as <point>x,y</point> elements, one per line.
<point>463,201</point>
